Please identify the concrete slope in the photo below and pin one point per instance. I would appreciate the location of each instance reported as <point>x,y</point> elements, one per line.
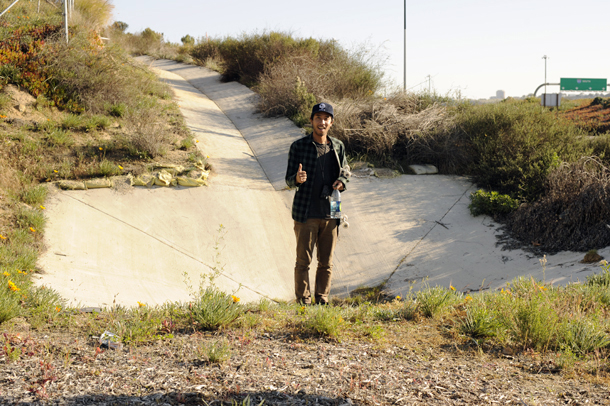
<point>402,230</point>
<point>106,245</point>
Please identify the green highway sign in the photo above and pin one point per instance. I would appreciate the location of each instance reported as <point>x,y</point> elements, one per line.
<point>584,84</point>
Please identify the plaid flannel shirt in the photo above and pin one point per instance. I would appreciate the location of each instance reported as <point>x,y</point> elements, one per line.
<point>303,151</point>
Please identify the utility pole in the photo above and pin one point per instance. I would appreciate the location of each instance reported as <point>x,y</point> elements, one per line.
<point>405,73</point>
<point>429,81</point>
<point>66,18</point>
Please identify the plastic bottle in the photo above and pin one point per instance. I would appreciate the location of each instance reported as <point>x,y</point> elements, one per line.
<point>335,204</point>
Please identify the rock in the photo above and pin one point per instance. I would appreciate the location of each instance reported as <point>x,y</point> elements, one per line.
<point>386,173</point>
<point>422,169</point>
<point>591,257</point>
<point>21,108</point>
<point>71,185</point>
<point>98,183</point>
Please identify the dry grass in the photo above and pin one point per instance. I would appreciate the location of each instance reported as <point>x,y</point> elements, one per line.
<point>574,213</point>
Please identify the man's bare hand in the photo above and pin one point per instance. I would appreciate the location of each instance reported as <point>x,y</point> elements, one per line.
<point>338,185</point>
<point>301,175</point>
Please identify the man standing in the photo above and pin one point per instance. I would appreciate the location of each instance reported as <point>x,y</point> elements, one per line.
<point>316,165</point>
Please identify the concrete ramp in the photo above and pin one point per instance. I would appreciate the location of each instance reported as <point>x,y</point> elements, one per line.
<point>107,246</point>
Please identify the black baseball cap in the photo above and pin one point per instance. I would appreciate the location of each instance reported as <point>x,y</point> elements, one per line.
<point>323,108</point>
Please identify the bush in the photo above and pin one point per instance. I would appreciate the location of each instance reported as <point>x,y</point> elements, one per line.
<point>513,146</point>
<point>480,321</point>
<point>491,203</point>
<point>324,320</point>
<point>435,301</point>
<point>214,309</point>
<point>34,194</point>
<point>88,77</point>
<point>573,215</point>
<point>147,133</point>
<point>274,60</point>
<point>10,299</point>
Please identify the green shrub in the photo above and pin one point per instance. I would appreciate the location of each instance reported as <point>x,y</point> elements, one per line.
<point>491,203</point>
<point>601,279</point>
<point>214,309</point>
<point>435,301</point>
<point>60,138</point>
<point>27,218</point>
<point>188,40</point>
<point>117,109</point>
<point>10,301</point>
<point>216,352</point>
<point>584,335</point>
<point>324,320</point>
<point>480,321</point>
<point>513,146</point>
<point>34,194</point>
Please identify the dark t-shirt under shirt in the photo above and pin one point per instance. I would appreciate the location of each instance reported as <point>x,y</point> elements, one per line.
<point>326,174</point>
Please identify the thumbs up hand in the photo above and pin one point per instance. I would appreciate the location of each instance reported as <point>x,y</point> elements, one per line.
<point>301,175</point>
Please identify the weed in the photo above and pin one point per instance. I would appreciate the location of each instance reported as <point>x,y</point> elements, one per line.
<point>480,322</point>
<point>491,203</point>
<point>324,320</point>
<point>106,168</point>
<point>5,101</point>
<point>435,301</point>
<point>602,279</point>
<point>214,309</point>
<point>216,352</point>
<point>72,122</point>
<point>34,194</point>
<point>96,122</point>
<point>582,336</point>
<point>30,219</point>
<point>117,110</point>
<point>10,306</point>
<point>60,138</point>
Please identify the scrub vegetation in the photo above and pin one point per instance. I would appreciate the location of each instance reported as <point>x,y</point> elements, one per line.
<point>89,110</point>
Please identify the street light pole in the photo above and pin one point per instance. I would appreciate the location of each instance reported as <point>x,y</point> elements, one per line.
<point>545,59</point>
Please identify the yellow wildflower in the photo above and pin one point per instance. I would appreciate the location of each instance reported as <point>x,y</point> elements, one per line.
<point>58,309</point>
<point>101,149</point>
<point>55,170</point>
<point>235,299</point>
<point>42,207</point>
<point>398,298</point>
<point>32,229</point>
<point>120,167</point>
<point>12,287</point>
<point>451,287</point>
<point>141,304</point>
<point>6,273</point>
<point>2,237</point>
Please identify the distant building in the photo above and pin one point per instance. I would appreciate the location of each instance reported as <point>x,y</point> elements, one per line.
<point>501,94</point>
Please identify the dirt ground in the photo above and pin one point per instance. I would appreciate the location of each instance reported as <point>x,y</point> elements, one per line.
<point>408,364</point>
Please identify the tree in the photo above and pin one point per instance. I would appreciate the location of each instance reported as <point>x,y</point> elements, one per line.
<point>188,40</point>
<point>120,26</point>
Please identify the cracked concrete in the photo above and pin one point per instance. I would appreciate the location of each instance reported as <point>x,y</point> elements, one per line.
<point>105,246</point>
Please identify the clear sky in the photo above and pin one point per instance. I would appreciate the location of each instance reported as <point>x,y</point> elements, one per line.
<point>474,47</point>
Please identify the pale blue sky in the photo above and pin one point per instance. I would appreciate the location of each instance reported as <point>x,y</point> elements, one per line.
<point>472,46</point>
